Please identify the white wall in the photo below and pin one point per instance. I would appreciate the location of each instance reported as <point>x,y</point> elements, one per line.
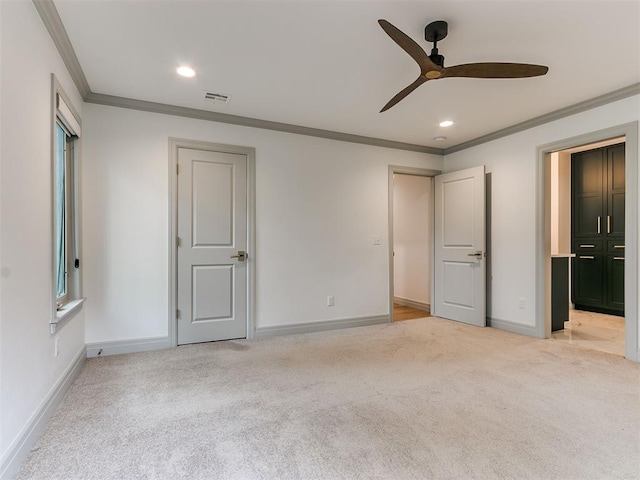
<point>512,163</point>
<point>28,368</point>
<point>564,202</point>
<point>319,204</point>
<point>412,237</point>
<point>560,202</point>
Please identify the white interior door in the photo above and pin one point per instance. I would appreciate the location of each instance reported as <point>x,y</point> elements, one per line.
<point>459,257</point>
<point>212,231</point>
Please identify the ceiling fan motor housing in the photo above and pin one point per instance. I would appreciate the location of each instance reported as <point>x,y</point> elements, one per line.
<point>436,58</point>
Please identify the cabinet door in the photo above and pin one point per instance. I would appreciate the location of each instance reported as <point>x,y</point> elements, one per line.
<point>615,191</point>
<point>615,282</point>
<point>588,275</point>
<point>588,172</point>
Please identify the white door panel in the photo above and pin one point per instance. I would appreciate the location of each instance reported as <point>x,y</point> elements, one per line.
<point>458,275</point>
<point>457,218</point>
<point>212,227</point>
<point>460,246</point>
<point>212,292</point>
<point>212,204</point>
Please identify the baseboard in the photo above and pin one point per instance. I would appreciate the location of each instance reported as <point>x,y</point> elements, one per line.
<point>101,349</point>
<point>265,332</point>
<point>529,331</point>
<point>405,302</point>
<point>33,430</point>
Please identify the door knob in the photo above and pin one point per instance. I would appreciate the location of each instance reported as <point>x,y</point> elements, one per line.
<point>241,256</point>
<point>477,254</point>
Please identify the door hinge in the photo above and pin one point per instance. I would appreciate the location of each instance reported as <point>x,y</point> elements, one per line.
<point>178,241</point>
<point>178,314</point>
<point>177,169</point>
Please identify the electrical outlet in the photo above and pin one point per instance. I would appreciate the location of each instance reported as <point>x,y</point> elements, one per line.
<point>56,347</point>
<point>330,301</point>
<point>521,304</point>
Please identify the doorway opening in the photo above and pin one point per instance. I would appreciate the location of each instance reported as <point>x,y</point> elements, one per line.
<point>587,204</point>
<point>411,242</point>
<point>551,245</point>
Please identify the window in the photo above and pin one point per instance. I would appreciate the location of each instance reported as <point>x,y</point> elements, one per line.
<point>66,260</point>
<point>63,205</point>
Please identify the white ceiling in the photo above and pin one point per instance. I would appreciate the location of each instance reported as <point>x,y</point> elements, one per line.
<point>328,64</point>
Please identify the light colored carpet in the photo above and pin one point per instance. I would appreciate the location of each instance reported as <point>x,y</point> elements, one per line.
<point>418,399</point>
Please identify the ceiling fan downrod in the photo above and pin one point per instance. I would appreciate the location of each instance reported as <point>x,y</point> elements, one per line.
<point>435,32</point>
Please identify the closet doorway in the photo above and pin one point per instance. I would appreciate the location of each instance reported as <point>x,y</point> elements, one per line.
<point>587,198</point>
<point>545,213</point>
<point>411,245</point>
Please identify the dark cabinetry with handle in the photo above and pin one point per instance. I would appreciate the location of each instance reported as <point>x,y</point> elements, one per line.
<point>597,230</point>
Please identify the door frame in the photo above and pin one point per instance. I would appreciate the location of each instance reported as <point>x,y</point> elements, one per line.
<point>174,145</point>
<point>543,230</point>
<point>418,172</point>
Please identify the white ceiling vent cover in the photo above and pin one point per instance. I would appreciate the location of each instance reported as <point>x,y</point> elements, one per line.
<point>218,98</point>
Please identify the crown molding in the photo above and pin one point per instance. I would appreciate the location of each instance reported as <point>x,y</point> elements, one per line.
<point>599,101</point>
<point>53,23</point>
<point>145,106</point>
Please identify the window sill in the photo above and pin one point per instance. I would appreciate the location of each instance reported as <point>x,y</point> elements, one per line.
<point>65,314</point>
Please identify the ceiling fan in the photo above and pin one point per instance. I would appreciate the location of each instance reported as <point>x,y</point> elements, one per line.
<point>432,66</point>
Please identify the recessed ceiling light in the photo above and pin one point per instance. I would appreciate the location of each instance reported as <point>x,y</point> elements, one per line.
<point>185,71</point>
<point>439,139</point>
<point>446,123</point>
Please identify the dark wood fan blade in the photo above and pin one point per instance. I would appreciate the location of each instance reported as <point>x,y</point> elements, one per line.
<point>403,93</point>
<point>408,45</point>
<point>495,70</point>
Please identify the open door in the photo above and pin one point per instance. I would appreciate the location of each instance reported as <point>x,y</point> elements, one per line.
<point>459,257</point>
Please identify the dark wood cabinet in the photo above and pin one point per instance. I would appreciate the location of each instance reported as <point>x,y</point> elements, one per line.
<point>615,279</point>
<point>615,192</point>
<point>597,229</point>
<point>587,175</point>
<point>588,280</point>
<point>559,292</point>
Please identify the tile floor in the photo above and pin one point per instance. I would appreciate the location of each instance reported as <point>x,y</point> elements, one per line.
<point>593,330</point>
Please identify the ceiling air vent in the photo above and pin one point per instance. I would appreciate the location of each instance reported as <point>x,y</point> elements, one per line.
<point>217,97</point>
